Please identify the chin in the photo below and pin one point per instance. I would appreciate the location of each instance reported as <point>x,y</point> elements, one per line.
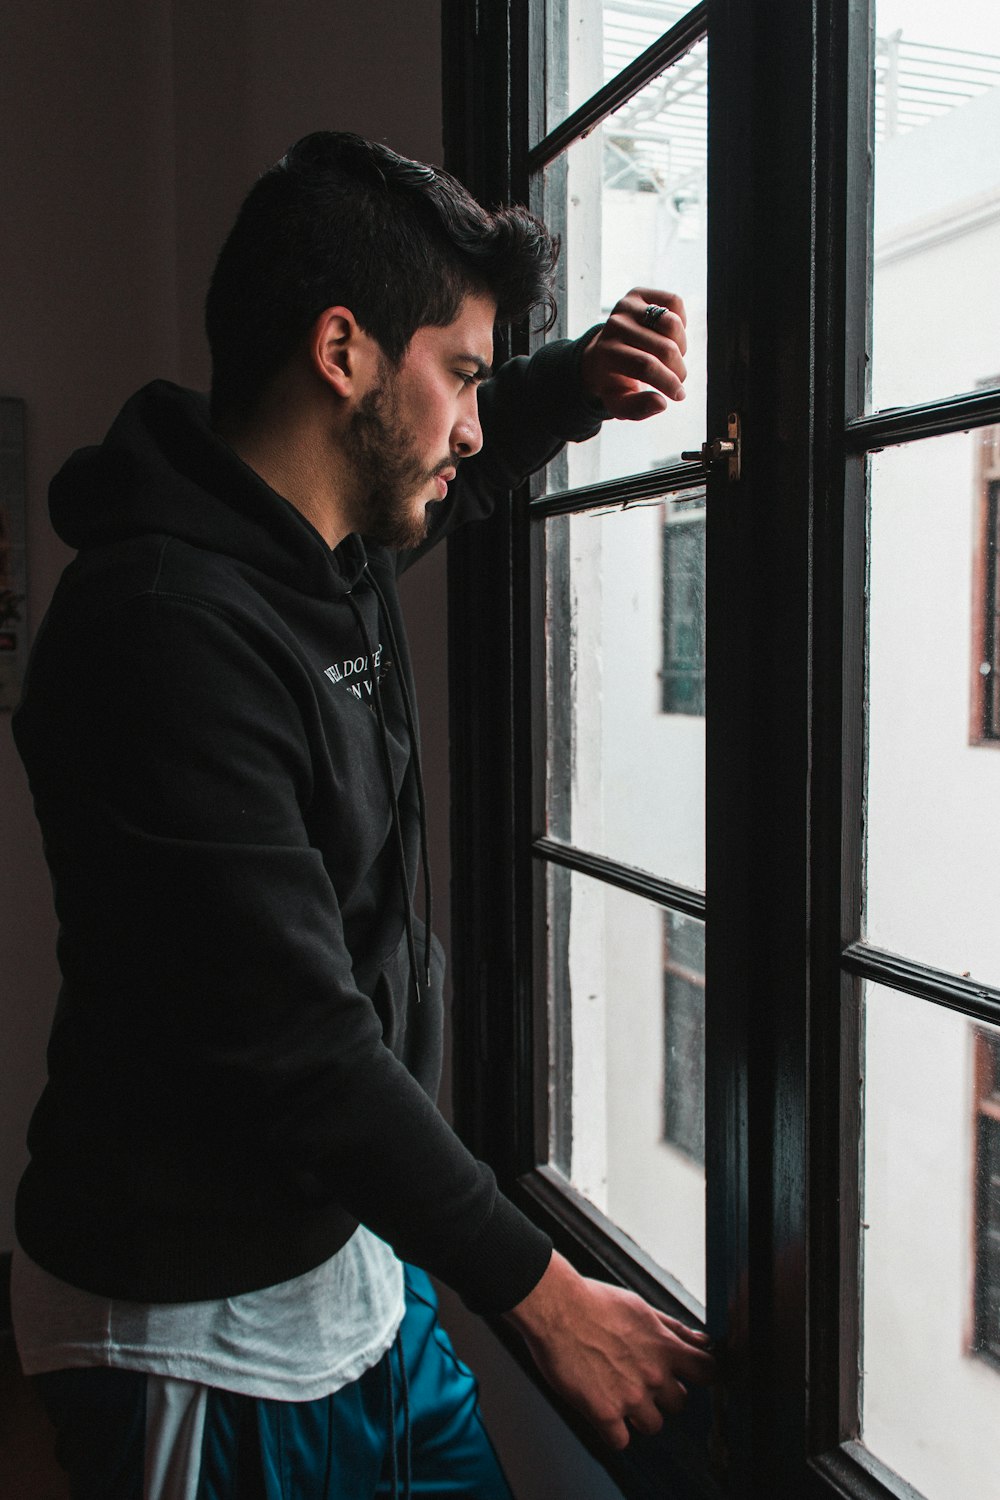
<point>407,533</point>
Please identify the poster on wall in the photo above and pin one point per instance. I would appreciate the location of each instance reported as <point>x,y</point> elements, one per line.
<point>13,571</point>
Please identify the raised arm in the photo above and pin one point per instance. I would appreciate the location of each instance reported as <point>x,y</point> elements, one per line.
<point>629,367</point>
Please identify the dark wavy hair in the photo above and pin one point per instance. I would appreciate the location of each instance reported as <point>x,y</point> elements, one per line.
<point>343,220</point>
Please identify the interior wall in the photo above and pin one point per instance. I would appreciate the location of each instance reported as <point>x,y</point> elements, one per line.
<point>88,308</point>
<point>125,149</point>
<point>126,144</point>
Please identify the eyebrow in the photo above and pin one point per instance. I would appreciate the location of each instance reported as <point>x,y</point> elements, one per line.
<point>483,370</point>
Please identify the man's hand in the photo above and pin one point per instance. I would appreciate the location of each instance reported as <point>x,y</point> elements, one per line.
<point>608,1353</point>
<point>635,366</point>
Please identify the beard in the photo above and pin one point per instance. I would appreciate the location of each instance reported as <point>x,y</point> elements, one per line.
<point>387,474</point>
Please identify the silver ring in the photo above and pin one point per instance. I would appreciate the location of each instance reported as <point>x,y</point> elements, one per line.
<point>651,314</point>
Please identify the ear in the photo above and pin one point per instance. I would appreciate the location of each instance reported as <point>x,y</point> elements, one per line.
<point>340,351</point>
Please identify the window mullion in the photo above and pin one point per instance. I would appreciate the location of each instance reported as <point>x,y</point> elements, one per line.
<point>617,90</point>
<point>639,882</point>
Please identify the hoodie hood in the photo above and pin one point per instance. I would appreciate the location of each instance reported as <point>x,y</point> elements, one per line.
<point>162,470</point>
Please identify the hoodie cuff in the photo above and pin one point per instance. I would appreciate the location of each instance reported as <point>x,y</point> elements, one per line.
<point>502,1263</point>
<point>591,404</point>
<point>557,384</point>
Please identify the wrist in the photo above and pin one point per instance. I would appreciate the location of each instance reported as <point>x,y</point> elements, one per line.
<point>542,1308</point>
<point>588,385</point>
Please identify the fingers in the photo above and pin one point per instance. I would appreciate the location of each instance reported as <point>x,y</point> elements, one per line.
<point>694,1365</point>
<point>645,1414</point>
<point>653,296</point>
<point>615,1434</point>
<point>647,1419</point>
<point>635,406</point>
<point>690,1357</point>
<point>642,1415</point>
<point>671,324</point>
<point>619,1361</point>
<point>657,1382</point>
<point>696,1336</point>
<point>634,366</point>
<point>664,339</point>
<point>662,367</point>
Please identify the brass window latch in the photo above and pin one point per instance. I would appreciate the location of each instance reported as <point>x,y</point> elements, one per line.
<point>727,448</point>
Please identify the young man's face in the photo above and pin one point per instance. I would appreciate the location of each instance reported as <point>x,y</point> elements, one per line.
<point>408,434</point>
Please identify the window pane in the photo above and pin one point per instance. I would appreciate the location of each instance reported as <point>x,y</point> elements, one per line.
<point>627,1077</point>
<point>931,1386</point>
<point>590,41</point>
<point>625,655</point>
<point>933,805</point>
<point>937,198</point>
<point>630,202</point>
<point>683,611</point>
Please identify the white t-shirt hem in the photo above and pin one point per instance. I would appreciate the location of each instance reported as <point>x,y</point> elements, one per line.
<point>297,1341</point>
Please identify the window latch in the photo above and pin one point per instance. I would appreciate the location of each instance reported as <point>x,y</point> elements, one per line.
<point>728,448</point>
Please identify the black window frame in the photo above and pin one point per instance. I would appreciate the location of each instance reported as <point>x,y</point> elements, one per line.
<point>786,963</point>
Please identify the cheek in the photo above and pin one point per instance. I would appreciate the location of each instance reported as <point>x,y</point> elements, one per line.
<point>433,423</point>
<point>429,412</point>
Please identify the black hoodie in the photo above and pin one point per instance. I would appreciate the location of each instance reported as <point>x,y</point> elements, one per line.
<point>218,732</point>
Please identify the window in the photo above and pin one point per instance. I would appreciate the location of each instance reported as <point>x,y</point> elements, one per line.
<point>683,670</point>
<point>986,1327</point>
<point>985,728</point>
<point>684,1034</point>
<point>625,197</point>
<point>789,785</point>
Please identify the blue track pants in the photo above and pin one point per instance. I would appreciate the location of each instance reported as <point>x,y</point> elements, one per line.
<point>410,1427</point>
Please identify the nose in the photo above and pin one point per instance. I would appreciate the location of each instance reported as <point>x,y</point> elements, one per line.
<point>467,435</point>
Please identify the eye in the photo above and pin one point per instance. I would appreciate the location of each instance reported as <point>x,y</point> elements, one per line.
<point>468,377</point>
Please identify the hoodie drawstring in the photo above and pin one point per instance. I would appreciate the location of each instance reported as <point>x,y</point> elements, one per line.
<point>391,787</point>
<point>404,1391</point>
<point>411,727</point>
<point>391,1428</point>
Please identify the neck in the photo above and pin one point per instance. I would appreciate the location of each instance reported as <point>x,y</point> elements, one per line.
<point>289,447</point>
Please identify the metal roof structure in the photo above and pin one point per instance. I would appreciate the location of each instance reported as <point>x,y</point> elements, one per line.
<point>657,141</point>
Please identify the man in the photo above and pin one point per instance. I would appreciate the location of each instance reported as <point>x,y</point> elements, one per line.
<point>238,1146</point>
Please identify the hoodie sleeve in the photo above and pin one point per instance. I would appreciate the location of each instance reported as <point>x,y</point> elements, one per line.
<point>216,1072</point>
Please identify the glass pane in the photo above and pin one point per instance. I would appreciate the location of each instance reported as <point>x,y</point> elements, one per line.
<point>931,1386</point>
<point>937,199</point>
<point>933,804</point>
<point>589,41</point>
<point>627,1015</point>
<point>626,672</point>
<point>630,202</point>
